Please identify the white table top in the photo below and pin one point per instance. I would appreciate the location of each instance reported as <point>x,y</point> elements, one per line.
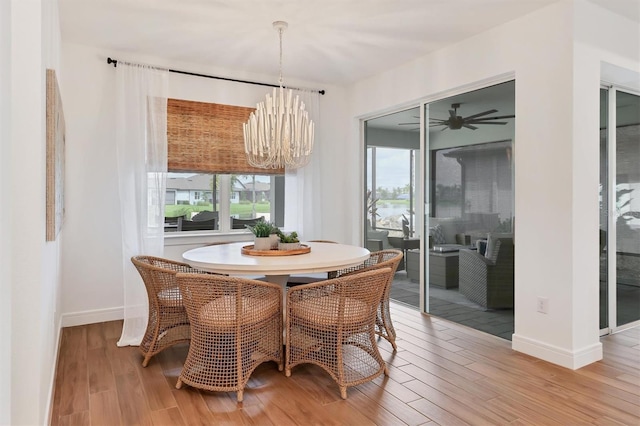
<point>228,259</point>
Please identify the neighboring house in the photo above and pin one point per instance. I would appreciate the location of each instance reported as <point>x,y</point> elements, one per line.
<point>247,191</point>
<point>197,188</point>
<point>189,190</point>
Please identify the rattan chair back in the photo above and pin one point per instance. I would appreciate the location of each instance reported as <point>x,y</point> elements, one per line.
<point>381,259</point>
<point>332,324</point>
<point>167,322</point>
<point>236,324</point>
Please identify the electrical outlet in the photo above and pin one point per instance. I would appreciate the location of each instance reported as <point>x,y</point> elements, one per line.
<point>543,305</point>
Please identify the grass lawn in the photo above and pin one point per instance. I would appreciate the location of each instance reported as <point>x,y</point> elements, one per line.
<point>243,210</point>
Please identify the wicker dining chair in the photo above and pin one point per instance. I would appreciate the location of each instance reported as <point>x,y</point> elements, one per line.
<point>236,325</point>
<point>379,259</point>
<point>332,324</point>
<point>167,324</point>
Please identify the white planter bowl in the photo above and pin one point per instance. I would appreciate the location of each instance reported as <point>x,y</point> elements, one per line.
<point>262,243</point>
<point>288,246</point>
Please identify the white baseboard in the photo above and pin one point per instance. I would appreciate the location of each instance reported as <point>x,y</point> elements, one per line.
<point>52,378</point>
<point>557,355</point>
<point>92,317</point>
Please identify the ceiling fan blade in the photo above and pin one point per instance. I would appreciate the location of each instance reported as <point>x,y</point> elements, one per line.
<point>488,122</point>
<point>480,114</point>
<point>468,126</point>
<point>438,120</point>
<point>497,117</point>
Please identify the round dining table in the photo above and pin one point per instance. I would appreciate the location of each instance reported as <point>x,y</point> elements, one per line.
<point>229,259</point>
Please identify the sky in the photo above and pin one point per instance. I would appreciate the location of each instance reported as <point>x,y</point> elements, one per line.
<point>392,168</point>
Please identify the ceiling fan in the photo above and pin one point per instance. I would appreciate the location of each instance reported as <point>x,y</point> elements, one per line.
<point>455,122</point>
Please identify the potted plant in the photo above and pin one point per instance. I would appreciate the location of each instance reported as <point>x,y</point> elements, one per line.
<point>288,241</point>
<point>262,231</point>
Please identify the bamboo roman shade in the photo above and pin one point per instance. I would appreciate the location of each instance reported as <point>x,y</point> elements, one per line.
<point>207,138</point>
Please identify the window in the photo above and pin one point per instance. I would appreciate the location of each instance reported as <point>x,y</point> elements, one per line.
<point>390,188</point>
<point>209,180</point>
<point>190,198</point>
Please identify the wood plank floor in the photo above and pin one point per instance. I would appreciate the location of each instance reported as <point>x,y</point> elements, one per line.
<point>443,373</point>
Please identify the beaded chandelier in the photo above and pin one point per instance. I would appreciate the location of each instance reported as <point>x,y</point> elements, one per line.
<point>279,133</point>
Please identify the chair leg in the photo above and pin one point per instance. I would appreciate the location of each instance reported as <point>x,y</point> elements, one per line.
<point>145,361</point>
<point>384,326</point>
<point>179,383</point>
<point>343,392</point>
<point>240,395</point>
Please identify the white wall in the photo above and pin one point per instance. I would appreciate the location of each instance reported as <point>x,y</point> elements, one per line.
<point>30,44</point>
<point>5,212</point>
<point>556,155</point>
<point>91,252</point>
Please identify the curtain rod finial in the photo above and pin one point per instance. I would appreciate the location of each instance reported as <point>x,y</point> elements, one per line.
<point>112,61</point>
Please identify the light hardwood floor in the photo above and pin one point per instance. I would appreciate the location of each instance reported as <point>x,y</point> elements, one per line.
<point>443,373</point>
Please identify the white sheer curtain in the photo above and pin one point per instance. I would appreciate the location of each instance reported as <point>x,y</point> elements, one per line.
<point>141,139</point>
<point>303,187</point>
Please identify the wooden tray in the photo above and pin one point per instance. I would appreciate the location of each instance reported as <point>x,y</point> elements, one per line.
<point>251,252</point>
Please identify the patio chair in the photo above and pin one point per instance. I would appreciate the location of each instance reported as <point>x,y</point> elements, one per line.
<point>242,223</point>
<point>488,281</point>
<point>380,259</point>
<point>197,225</point>
<point>205,215</point>
<point>236,325</point>
<point>168,323</point>
<point>332,324</point>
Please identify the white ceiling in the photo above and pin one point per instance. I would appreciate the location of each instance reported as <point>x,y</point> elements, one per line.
<point>328,41</point>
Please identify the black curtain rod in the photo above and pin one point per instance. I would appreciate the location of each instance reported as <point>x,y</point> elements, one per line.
<point>115,64</point>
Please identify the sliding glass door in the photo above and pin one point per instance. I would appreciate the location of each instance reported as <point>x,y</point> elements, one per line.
<point>620,209</point>
<point>469,188</point>
<point>451,173</point>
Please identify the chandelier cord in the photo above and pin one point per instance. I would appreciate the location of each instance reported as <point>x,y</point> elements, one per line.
<point>280,30</point>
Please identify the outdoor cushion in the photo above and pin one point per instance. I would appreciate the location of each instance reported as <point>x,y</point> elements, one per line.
<point>437,234</point>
